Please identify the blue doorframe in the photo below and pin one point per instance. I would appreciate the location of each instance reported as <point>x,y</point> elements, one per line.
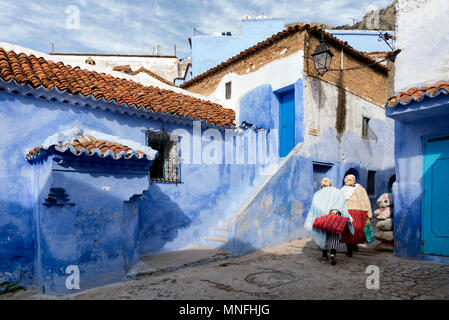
<point>321,170</point>
<point>286,121</point>
<point>435,205</point>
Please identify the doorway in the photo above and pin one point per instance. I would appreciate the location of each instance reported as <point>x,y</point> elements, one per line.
<point>435,209</point>
<point>286,122</point>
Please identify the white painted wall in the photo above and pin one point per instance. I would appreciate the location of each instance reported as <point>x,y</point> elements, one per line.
<point>320,107</point>
<point>278,73</point>
<point>167,68</point>
<point>422,31</point>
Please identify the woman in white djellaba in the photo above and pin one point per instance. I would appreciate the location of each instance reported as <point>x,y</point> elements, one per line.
<point>327,200</point>
<point>359,207</point>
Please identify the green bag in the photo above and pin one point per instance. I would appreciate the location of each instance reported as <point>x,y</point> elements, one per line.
<point>369,232</point>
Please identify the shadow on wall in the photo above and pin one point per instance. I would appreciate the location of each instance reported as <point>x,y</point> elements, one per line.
<point>407,219</point>
<point>159,220</point>
<point>82,224</point>
<point>17,246</point>
<point>277,214</point>
<point>320,98</point>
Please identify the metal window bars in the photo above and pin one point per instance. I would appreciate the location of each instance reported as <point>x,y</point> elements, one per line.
<point>167,166</point>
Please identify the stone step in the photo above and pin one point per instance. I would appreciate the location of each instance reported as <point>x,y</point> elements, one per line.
<point>216,239</point>
<point>221,228</point>
<point>220,232</point>
<point>175,260</point>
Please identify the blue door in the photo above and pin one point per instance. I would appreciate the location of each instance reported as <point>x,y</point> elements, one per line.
<point>286,122</point>
<point>435,214</point>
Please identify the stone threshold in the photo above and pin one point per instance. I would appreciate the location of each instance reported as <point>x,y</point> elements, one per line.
<point>174,260</point>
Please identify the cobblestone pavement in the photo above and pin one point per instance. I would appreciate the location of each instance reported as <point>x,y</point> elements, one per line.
<point>293,270</point>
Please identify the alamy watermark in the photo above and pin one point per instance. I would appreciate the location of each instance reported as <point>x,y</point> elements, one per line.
<point>373,280</point>
<point>73,280</point>
<point>229,146</point>
<point>72,21</point>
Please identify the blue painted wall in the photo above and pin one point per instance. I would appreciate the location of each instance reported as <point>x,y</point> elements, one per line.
<point>94,224</point>
<point>256,107</point>
<point>414,121</point>
<point>260,107</point>
<point>170,216</point>
<point>278,211</point>
<point>209,51</point>
<point>188,76</point>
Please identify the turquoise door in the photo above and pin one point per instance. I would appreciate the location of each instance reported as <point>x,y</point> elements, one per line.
<point>435,215</point>
<point>286,122</point>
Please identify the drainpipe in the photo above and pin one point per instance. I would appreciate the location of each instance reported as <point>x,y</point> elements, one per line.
<point>341,59</point>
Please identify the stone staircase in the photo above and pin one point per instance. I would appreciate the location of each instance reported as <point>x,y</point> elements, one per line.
<point>214,245</point>
<point>219,235</point>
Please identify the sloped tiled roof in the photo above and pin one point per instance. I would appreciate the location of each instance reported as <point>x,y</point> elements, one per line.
<point>281,35</point>
<point>142,69</point>
<point>380,53</point>
<point>124,68</point>
<point>38,72</point>
<point>110,55</point>
<point>90,146</point>
<point>417,94</point>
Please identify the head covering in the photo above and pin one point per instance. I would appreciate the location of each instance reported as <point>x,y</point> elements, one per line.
<point>326,182</point>
<point>350,180</point>
<point>357,198</point>
<point>323,201</point>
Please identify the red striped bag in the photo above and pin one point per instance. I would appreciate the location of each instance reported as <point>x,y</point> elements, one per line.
<point>332,223</point>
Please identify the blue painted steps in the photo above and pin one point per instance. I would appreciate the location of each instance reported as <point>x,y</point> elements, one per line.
<point>218,235</point>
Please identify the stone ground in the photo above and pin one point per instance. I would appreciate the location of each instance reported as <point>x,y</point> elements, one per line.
<point>293,270</point>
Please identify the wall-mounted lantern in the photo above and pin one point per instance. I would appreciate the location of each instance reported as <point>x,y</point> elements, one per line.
<point>322,57</point>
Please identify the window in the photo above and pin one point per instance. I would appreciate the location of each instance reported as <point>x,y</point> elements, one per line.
<point>165,166</point>
<point>228,90</point>
<point>371,183</point>
<point>365,127</point>
<point>320,171</point>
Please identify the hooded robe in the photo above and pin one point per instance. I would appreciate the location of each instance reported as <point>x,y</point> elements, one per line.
<point>323,201</point>
<point>357,198</point>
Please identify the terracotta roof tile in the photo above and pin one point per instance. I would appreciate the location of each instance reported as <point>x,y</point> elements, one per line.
<point>123,68</point>
<point>142,69</point>
<point>109,55</point>
<point>37,72</point>
<point>90,146</point>
<point>417,94</point>
<point>280,35</point>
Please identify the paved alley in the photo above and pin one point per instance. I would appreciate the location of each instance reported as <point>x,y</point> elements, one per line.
<point>293,270</point>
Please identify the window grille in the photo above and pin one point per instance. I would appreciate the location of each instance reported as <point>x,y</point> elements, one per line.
<point>166,166</point>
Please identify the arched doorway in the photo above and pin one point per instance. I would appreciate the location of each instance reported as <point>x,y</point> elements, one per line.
<point>390,183</point>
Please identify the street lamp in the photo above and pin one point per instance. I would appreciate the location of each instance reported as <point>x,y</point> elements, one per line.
<point>322,57</point>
